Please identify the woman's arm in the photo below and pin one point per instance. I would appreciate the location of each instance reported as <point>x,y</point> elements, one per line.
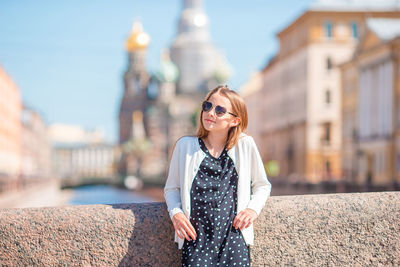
<point>172,193</point>
<point>260,189</point>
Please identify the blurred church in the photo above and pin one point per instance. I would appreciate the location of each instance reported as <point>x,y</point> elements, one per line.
<point>158,108</point>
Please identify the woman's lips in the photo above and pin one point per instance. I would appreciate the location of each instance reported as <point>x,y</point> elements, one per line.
<point>209,120</point>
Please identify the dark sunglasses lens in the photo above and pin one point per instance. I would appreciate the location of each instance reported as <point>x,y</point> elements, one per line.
<point>220,110</point>
<point>207,106</point>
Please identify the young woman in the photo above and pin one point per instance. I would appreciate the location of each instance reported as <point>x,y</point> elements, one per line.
<point>216,185</point>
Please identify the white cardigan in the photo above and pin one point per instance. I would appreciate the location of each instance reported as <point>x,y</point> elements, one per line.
<point>253,185</point>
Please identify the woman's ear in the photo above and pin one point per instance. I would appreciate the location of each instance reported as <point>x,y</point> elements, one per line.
<point>235,122</point>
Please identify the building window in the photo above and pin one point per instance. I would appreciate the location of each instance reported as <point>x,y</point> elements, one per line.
<point>354,29</point>
<point>326,137</point>
<point>328,167</point>
<point>328,63</point>
<point>329,29</point>
<point>327,96</point>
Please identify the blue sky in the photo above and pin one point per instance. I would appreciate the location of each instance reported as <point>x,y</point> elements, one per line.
<point>68,57</point>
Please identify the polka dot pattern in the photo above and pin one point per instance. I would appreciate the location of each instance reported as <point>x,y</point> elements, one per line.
<point>213,208</point>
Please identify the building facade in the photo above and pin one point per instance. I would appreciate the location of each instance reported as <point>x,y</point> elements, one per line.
<point>80,161</point>
<point>78,153</point>
<point>141,123</point>
<point>250,92</point>
<point>300,100</point>
<point>10,126</point>
<point>201,66</point>
<point>36,147</point>
<point>371,108</point>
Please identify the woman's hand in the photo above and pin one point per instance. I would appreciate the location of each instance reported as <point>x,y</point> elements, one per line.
<point>244,219</point>
<point>183,227</point>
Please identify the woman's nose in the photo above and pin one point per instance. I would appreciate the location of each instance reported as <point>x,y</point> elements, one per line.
<point>211,113</point>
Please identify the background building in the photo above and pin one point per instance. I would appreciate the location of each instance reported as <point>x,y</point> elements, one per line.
<point>201,65</point>
<point>141,118</point>
<point>36,148</point>
<point>80,154</point>
<point>10,127</point>
<point>85,161</point>
<point>251,93</point>
<point>371,108</point>
<point>300,100</point>
<point>148,123</point>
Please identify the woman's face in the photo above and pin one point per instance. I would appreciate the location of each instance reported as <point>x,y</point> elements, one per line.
<point>214,123</point>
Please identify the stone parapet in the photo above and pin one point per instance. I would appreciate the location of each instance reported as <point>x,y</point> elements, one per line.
<point>310,230</point>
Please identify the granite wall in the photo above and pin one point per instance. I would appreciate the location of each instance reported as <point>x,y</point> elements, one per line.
<point>312,230</point>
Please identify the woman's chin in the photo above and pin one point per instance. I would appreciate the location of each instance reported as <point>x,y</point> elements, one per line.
<point>208,125</point>
<point>212,129</point>
<point>209,128</point>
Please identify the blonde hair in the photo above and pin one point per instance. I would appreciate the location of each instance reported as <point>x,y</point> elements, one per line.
<point>238,108</point>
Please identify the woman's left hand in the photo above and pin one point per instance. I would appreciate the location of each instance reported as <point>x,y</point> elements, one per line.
<point>244,219</point>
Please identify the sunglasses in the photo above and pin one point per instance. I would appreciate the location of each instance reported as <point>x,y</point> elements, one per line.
<point>207,106</point>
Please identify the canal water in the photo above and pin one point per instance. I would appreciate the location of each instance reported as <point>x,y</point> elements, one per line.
<point>104,194</point>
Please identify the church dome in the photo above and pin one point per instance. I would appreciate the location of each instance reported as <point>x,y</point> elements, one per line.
<point>168,71</point>
<point>223,70</point>
<point>138,39</point>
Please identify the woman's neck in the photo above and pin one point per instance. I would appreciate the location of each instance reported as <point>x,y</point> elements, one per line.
<point>216,142</point>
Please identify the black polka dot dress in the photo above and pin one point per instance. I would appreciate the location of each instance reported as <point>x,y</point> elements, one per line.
<point>213,209</point>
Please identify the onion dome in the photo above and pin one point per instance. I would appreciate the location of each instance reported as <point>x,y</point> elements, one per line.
<point>168,71</point>
<point>138,39</point>
<point>223,70</point>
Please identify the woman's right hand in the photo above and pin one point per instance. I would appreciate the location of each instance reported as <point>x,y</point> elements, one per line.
<point>183,227</point>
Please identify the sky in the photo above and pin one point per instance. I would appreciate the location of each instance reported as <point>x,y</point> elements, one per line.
<point>68,57</point>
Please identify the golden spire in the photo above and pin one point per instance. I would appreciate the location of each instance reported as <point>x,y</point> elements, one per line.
<point>138,39</point>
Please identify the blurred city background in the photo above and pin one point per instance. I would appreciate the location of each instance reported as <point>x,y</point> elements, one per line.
<point>94,94</point>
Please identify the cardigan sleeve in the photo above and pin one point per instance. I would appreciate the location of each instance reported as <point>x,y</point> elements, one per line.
<point>172,189</point>
<point>260,186</point>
